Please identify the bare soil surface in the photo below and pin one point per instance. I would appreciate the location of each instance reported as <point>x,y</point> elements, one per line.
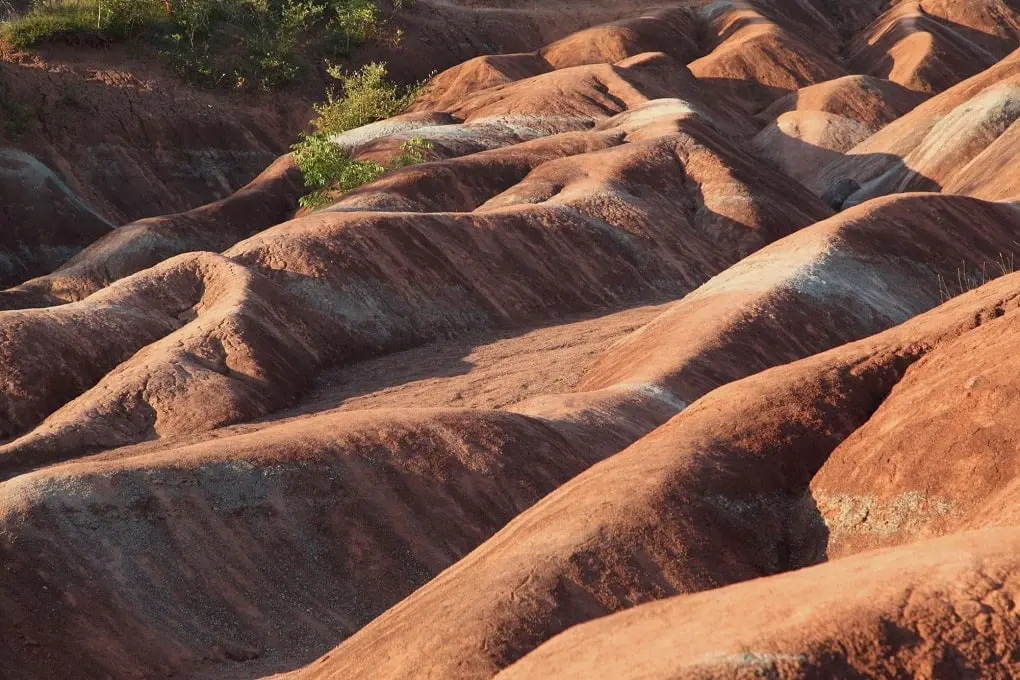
<point>476,370</point>
<point>692,353</point>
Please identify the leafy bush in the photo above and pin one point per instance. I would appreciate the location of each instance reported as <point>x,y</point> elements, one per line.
<point>355,21</point>
<point>330,171</point>
<point>366,96</point>
<point>412,152</point>
<point>210,42</point>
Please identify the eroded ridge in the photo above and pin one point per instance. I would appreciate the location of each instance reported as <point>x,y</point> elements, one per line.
<point>689,353</point>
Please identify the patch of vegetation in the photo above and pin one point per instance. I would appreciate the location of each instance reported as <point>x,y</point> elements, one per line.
<point>365,97</point>
<point>330,172</point>
<point>236,43</point>
<point>83,21</point>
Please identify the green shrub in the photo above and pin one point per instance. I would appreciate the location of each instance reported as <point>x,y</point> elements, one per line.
<point>353,22</point>
<point>412,152</point>
<point>107,20</point>
<point>36,26</point>
<point>330,171</point>
<point>366,96</point>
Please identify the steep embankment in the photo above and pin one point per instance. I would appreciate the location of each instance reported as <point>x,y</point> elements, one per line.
<point>738,335</point>
<point>610,346</point>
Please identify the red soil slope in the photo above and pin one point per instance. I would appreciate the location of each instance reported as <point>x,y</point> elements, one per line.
<point>942,608</point>
<point>691,354</point>
<point>813,127</point>
<point>711,498</point>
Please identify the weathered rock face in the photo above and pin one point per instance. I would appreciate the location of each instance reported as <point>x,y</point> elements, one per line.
<point>690,354</point>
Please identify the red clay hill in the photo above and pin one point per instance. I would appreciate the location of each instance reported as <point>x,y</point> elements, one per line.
<point>690,352</point>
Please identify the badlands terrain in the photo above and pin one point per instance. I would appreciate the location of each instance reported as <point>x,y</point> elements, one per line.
<point>691,352</point>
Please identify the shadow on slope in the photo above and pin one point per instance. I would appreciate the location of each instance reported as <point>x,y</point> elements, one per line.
<point>269,199</point>
<point>804,161</point>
